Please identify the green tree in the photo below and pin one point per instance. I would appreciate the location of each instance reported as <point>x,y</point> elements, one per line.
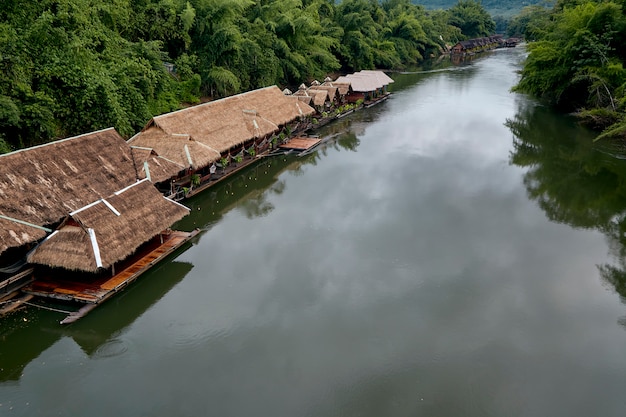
<point>577,63</point>
<point>472,19</point>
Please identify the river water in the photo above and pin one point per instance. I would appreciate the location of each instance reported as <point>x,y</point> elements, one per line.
<point>454,251</point>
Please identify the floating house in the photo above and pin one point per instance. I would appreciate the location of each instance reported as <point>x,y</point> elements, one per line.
<point>203,140</point>
<point>102,247</point>
<point>43,187</point>
<point>321,99</point>
<point>39,186</point>
<point>99,235</point>
<point>473,46</point>
<point>343,89</point>
<point>370,86</point>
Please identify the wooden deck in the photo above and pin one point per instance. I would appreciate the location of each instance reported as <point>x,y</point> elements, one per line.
<point>300,144</point>
<point>94,291</point>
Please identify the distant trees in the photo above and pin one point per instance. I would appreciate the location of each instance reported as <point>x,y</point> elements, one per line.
<point>72,66</point>
<point>472,19</point>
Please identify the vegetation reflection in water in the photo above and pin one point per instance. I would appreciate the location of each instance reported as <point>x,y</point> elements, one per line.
<point>446,360</point>
<point>249,190</point>
<point>574,181</point>
<point>25,334</point>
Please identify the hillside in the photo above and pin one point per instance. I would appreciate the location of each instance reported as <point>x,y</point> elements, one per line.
<point>505,8</point>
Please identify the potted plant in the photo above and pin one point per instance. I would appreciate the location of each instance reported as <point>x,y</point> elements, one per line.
<point>224,162</point>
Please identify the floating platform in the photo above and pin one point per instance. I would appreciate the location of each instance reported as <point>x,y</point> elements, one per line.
<point>300,144</point>
<point>94,290</point>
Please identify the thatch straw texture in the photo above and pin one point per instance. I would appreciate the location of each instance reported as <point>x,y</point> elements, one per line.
<point>231,121</point>
<point>143,214</point>
<point>285,110</point>
<point>383,78</point>
<point>40,185</point>
<point>14,234</point>
<point>304,99</point>
<point>366,81</point>
<point>172,148</point>
<point>319,96</point>
<point>332,91</point>
<point>344,88</point>
<point>160,169</point>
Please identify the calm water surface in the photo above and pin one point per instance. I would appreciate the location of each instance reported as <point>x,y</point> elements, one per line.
<point>454,251</point>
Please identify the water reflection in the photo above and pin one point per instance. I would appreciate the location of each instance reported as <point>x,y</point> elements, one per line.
<point>250,190</point>
<point>29,332</point>
<point>574,181</point>
<point>25,334</point>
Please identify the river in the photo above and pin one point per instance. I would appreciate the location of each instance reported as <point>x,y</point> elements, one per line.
<point>457,250</point>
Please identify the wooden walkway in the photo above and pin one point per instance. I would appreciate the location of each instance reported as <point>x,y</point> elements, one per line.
<point>96,290</point>
<point>300,144</point>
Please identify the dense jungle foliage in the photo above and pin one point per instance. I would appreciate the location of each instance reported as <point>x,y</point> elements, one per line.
<point>75,66</point>
<point>576,60</point>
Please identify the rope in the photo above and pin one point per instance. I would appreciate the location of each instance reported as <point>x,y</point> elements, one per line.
<point>48,308</point>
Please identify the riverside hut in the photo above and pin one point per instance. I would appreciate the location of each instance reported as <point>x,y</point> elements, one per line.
<point>220,132</point>
<point>42,185</point>
<point>367,85</point>
<point>100,234</point>
<point>39,186</point>
<point>473,46</point>
<point>100,248</point>
<point>321,99</point>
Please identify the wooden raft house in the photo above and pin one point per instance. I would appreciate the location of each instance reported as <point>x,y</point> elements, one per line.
<point>43,187</point>
<point>82,217</point>
<point>473,46</point>
<point>213,139</point>
<point>78,261</point>
<point>368,86</point>
<point>40,185</point>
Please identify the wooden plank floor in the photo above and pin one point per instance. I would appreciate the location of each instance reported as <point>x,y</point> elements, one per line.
<point>97,290</point>
<point>300,144</point>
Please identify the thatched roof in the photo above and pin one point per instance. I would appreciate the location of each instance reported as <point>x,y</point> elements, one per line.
<point>231,121</point>
<point>366,81</point>
<point>15,234</point>
<point>171,148</point>
<point>383,78</point>
<point>344,88</point>
<point>159,168</point>
<point>306,99</point>
<point>319,96</point>
<point>332,91</point>
<point>109,230</point>
<point>40,185</point>
<point>285,110</point>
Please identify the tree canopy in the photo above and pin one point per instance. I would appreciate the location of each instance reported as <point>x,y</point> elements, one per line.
<point>576,61</point>
<point>72,66</point>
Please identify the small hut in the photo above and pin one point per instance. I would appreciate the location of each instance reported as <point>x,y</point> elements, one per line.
<point>321,99</point>
<point>199,137</point>
<point>40,185</point>
<point>366,85</point>
<point>108,230</point>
